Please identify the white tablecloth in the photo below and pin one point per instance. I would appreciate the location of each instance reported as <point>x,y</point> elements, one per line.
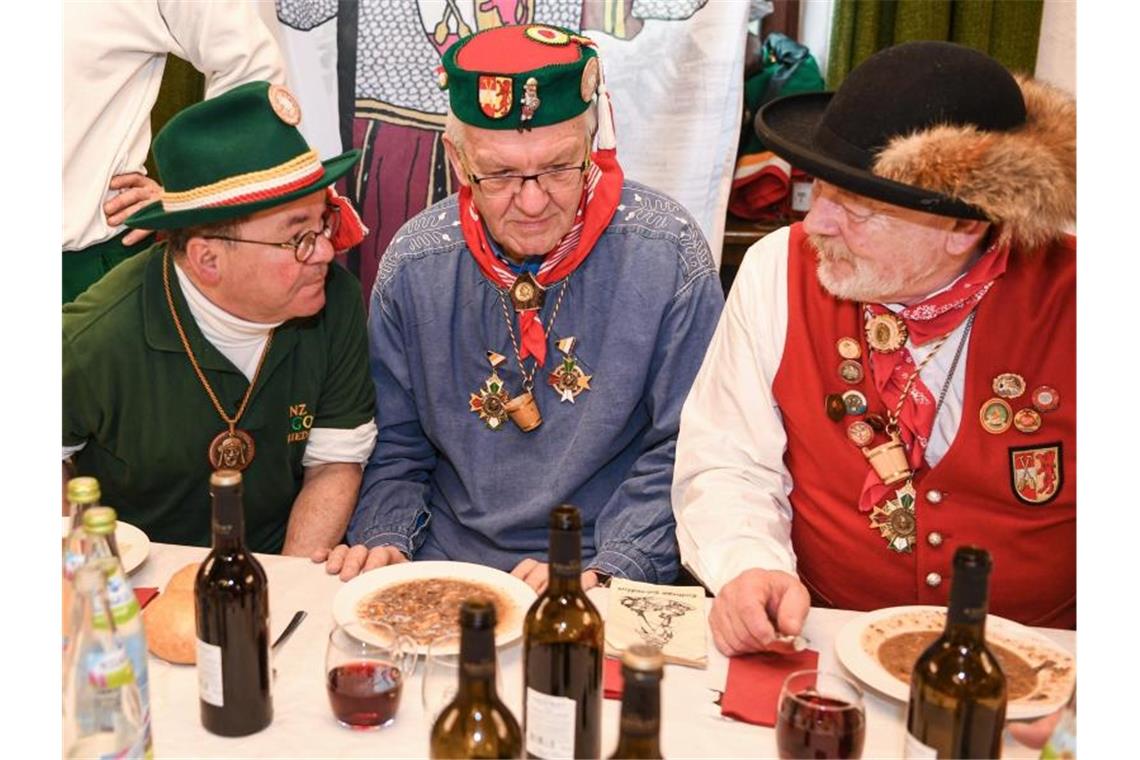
<point>303,725</point>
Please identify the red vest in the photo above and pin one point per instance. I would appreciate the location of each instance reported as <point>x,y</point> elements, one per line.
<point>1026,324</point>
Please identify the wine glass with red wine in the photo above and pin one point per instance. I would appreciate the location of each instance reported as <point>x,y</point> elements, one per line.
<point>820,716</point>
<point>365,668</point>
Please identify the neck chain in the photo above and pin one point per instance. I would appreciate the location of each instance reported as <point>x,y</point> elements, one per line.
<point>528,377</point>
<point>232,448</point>
<point>954,362</point>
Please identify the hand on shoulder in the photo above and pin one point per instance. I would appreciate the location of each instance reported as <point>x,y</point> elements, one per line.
<point>350,562</point>
<point>743,612</point>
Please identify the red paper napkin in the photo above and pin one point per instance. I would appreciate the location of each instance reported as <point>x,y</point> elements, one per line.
<point>612,683</point>
<point>145,594</point>
<point>752,693</point>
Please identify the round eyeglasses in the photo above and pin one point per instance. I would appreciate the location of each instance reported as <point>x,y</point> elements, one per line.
<point>303,246</point>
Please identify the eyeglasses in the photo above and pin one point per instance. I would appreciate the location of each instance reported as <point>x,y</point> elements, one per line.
<point>304,246</point>
<point>550,181</point>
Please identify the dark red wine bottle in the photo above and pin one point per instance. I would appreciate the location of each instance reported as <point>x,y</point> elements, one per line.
<point>563,645</point>
<point>639,738</point>
<point>232,614</point>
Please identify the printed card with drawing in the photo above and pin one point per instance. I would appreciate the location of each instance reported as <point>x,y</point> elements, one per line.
<point>671,618</point>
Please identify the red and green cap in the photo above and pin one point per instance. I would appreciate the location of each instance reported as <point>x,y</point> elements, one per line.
<point>518,77</point>
<point>232,155</point>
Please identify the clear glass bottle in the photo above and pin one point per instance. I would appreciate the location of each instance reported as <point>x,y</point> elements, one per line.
<point>102,707</point>
<point>81,493</point>
<point>103,553</point>
<point>1062,743</point>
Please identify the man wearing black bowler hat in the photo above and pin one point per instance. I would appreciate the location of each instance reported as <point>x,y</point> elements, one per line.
<point>895,376</point>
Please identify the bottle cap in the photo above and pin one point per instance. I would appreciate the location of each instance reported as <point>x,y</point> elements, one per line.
<point>83,490</point>
<point>565,517</point>
<point>973,559</point>
<point>477,613</point>
<point>225,478</point>
<point>643,657</point>
<point>100,520</point>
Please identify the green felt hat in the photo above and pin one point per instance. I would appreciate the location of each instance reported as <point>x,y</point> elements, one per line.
<point>234,154</point>
<point>518,77</point>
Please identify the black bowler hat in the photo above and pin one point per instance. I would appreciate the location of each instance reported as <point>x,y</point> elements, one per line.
<point>940,128</point>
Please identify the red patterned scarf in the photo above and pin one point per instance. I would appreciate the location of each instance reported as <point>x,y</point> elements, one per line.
<point>925,321</point>
<point>599,201</point>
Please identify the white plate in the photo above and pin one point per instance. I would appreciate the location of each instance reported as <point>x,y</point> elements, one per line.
<point>999,630</point>
<point>134,546</point>
<point>512,588</point>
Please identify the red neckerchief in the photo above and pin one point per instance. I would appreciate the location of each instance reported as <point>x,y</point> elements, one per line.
<point>925,321</point>
<point>599,202</point>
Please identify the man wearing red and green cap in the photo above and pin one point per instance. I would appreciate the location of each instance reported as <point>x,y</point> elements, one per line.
<point>235,342</point>
<point>533,337</point>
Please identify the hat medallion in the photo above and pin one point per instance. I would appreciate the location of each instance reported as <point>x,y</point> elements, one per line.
<point>284,104</point>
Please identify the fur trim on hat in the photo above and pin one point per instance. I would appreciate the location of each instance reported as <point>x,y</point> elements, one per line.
<point>1024,180</point>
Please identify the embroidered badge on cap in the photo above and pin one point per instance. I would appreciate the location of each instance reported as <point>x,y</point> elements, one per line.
<point>495,96</point>
<point>589,83</point>
<point>1035,473</point>
<point>547,36</point>
<point>284,105</point>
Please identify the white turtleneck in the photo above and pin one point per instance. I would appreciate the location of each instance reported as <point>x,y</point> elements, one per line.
<point>242,342</point>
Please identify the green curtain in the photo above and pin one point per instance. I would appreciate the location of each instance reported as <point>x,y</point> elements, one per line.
<point>1008,30</point>
<point>182,85</point>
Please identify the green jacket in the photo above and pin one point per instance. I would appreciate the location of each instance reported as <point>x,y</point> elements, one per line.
<point>130,394</point>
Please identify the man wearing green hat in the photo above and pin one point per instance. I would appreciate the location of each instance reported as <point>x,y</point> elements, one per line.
<point>234,343</point>
<point>532,338</point>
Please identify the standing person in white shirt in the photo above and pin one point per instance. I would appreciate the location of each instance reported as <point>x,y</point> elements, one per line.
<point>895,376</point>
<point>114,55</point>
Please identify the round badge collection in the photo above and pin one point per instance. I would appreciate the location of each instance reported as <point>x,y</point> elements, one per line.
<point>886,333</point>
<point>998,416</point>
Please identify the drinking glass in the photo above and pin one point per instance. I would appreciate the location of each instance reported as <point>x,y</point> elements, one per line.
<point>441,675</point>
<point>365,668</point>
<point>820,716</point>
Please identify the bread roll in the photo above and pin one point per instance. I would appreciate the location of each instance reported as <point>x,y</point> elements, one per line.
<point>184,578</point>
<point>170,626</point>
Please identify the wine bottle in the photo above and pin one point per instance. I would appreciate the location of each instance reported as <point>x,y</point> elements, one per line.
<point>232,619</point>
<point>476,723</point>
<point>640,728</point>
<point>957,688</point>
<point>562,654</point>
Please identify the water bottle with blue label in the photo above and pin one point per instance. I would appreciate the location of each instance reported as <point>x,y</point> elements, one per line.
<point>103,553</point>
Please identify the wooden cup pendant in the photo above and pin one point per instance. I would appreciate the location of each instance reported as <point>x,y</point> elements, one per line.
<point>889,460</point>
<point>524,411</point>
